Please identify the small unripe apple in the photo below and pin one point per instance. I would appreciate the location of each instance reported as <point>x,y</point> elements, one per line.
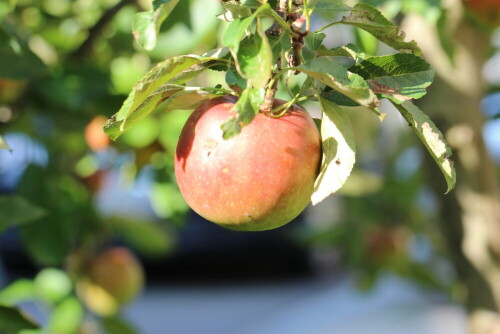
<point>111,280</point>
<point>260,179</point>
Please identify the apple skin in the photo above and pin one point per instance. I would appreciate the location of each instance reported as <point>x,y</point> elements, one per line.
<point>110,280</point>
<point>486,10</point>
<point>257,180</point>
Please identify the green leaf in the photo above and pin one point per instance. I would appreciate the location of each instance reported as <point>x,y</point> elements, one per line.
<point>3,144</point>
<point>116,325</point>
<point>66,317</point>
<point>12,320</point>
<point>329,6</point>
<point>247,106</point>
<point>159,84</point>
<point>255,59</point>
<point>336,76</point>
<point>15,210</point>
<point>234,10</point>
<point>148,238</point>
<point>314,40</point>
<point>401,76</point>
<point>19,291</point>
<point>371,20</point>
<point>146,25</point>
<point>188,99</point>
<point>233,78</point>
<point>432,138</point>
<point>338,98</point>
<point>236,29</point>
<point>22,63</point>
<point>338,148</point>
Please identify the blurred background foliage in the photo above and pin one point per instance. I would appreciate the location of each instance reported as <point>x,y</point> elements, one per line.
<point>68,193</point>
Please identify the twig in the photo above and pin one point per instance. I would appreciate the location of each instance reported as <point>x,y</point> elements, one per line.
<point>96,30</point>
<point>274,30</point>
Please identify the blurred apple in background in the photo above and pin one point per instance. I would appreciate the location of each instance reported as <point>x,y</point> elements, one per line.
<point>110,280</point>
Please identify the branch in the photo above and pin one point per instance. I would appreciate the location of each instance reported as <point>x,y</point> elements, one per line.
<point>274,30</point>
<point>96,30</point>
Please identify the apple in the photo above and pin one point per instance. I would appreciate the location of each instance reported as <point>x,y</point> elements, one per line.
<point>257,180</point>
<point>110,280</point>
<point>487,10</point>
<point>11,89</point>
<point>95,137</point>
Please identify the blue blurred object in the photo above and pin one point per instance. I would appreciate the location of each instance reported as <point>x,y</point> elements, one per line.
<point>24,151</point>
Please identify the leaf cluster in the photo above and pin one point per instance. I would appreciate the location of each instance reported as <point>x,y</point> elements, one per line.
<point>255,60</point>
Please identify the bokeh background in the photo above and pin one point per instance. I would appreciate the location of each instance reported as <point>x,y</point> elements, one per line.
<point>389,253</point>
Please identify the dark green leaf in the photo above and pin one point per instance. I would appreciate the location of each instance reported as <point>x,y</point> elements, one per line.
<point>432,138</point>
<point>255,59</point>
<point>22,63</point>
<point>401,76</point>
<point>116,325</point>
<point>339,150</point>
<point>12,320</point>
<point>146,25</point>
<point>234,79</point>
<point>371,20</point>
<point>47,239</point>
<point>16,210</point>
<point>338,98</point>
<point>336,76</point>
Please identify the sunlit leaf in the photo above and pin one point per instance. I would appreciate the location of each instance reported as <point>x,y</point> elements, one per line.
<point>247,106</point>
<point>146,25</point>
<point>16,210</point>
<point>336,76</point>
<point>401,76</point>
<point>66,317</point>
<point>338,147</point>
<point>236,29</point>
<point>12,320</point>
<point>234,10</point>
<point>52,285</point>
<point>18,291</point>
<point>371,20</point>
<point>255,59</point>
<point>432,138</point>
<point>160,83</point>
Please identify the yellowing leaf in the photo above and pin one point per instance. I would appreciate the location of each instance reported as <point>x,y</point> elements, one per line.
<point>432,138</point>
<point>339,151</point>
